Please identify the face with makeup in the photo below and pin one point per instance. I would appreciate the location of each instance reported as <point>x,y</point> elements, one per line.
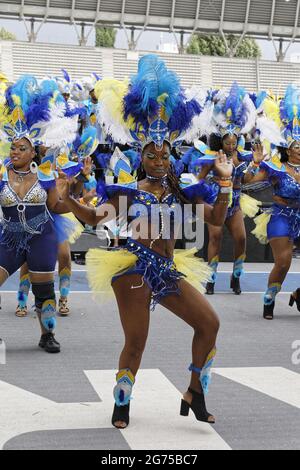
<point>93,97</point>
<point>230,144</point>
<point>66,96</point>
<point>294,153</point>
<point>156,162</point>
<point>21,154</point>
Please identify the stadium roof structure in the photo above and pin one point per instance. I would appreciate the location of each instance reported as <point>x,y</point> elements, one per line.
<point>270,19</point>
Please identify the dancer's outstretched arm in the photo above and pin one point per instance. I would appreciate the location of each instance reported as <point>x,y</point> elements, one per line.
<point>254,174</point>
<point>216,215</point>
<point>91,216</point>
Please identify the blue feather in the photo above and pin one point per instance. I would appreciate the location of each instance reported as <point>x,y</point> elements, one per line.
<point>190,155</point>
<point>48,87</point>
<point>97,77</point>
<point>103,159</point>
<point>287,105</point>
<point>101,192</point>
<point>234,103</point>
<point>134,158</point>
<point>152,80</point>
<point>260,98</point>
<point>79,111</point>
<point>66,75</point>
<point>38,110</point>
<point>178,166</point>
<point>25,88</point>
<point>183,115</point>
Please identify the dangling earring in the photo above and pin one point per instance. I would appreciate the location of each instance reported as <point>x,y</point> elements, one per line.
<point>34,167</point>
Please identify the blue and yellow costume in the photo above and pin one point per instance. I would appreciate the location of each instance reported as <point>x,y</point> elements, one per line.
<point>281,220</point>
<point>160,273</point>
<point>152,108</point>
<point>37,113</point>
<point>234,114</point>
<point>200,156</point>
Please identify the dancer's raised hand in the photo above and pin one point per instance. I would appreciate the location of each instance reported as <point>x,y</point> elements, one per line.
<point>223,167</point>
<point>63,185</point>
<point>258,153</point>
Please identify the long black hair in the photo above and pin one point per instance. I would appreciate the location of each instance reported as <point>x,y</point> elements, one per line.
<point>215,142</point>
<point>283,154</point>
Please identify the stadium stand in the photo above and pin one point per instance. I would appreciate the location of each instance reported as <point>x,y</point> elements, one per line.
<point>17,58</point>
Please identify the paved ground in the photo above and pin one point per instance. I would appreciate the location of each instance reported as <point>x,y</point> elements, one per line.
<point>65,401</point>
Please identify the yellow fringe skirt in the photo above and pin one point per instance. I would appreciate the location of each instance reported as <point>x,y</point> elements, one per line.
<point>159,273</point>
<point>249,205</point>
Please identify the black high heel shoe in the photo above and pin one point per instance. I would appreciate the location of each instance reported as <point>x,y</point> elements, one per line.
<point>210,288</point>
<point>235,285</point>
<point>269,311</point>
<point>197,406</point>
<point>120,413</point>
<point>297,300</point>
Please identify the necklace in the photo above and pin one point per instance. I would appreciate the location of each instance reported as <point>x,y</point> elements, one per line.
<point>163,180</point>
<point>21,174</point>
<point>296,168</point>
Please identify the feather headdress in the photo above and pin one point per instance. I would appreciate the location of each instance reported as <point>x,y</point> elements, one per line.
<point>81,89</point>
<point>268,123</point>
<point>64,83</point>
<point>152,108</point>
<point>278,121</point>
<point>290,115</point>
<point>37,112</point>
<point>234,112</point>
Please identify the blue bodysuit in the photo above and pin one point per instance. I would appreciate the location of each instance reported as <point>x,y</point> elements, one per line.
<point>285,220</point>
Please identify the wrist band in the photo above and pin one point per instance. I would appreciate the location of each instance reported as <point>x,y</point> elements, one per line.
<point>225,184</point>
<point>226,190</point>
<point>228,178</point>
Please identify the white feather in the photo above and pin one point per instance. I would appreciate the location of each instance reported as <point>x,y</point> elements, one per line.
<point>251,114</point>
<point>269,130</point>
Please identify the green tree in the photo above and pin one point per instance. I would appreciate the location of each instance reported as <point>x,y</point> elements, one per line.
<point>105,37</point>
<point>214,45</point>
<point>6,35</point>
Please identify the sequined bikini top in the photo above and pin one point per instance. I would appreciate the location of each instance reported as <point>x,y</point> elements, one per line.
<point>191,191</point>
<point>35,196</point>
<point>285,185</point>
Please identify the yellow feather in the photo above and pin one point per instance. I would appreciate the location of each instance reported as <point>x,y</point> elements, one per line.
<point>272,110</point>
<point>16,100</point>
<point>111,93</point>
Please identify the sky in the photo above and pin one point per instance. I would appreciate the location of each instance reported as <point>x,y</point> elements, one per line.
<point>66,34</point>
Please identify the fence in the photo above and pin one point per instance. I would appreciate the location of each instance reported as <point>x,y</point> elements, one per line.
<point>18,58</point>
